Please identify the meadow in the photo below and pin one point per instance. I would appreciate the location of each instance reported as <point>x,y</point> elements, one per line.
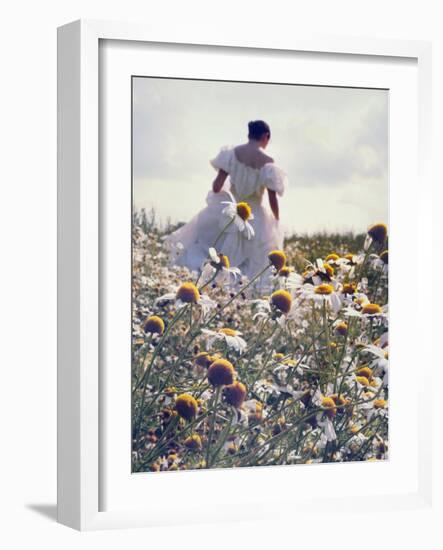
<point>226,375</point>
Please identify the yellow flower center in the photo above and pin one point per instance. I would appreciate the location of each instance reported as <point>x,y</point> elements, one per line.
<point>371,309</point>
<point>224,261</point>
<point>278,356</point>
<point>365,372</point>
<point>362,380</point>
<point>324,289</point>
<point>380,403</point>
<point>329,404</point>
<point>244,210</point>
<point>228,331</point>
<point>329,269</point>
<point>277,259</point>
<point>188,293</point>
<point>186,406</point>
<point>154,325</point>
<point>378,232</point>
<point>332,257</point>
<point>282,300</point>
<point>341,328</point>
<point>221,373</point>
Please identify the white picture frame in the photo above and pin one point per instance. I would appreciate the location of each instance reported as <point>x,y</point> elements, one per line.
<point>79,260</point>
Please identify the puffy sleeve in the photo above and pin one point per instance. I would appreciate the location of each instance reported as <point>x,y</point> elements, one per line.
<point>223,160</point>
<point>274,178</point>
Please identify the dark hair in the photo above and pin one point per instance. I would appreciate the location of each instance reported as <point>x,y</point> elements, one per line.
<point>257,128</point>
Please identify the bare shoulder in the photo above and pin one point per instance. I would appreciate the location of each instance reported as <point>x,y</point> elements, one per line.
<point>265,158</point>
<point>252,156</point>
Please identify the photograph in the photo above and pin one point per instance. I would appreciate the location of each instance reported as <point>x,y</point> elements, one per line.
<point>260,247</point>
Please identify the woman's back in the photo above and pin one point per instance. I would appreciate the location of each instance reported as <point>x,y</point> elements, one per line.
<point>251,156</point>
<point>243,173</point>
<point>250,172</point>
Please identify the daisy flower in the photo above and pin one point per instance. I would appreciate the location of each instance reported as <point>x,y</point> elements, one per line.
<point>232,338</point>
<point>240,213</point>
<point>380,350</point>
<point>188,293</point>
<point>325,416</point>
<point>323,293</point>
<point>219,264</point>
<point>377,234</point>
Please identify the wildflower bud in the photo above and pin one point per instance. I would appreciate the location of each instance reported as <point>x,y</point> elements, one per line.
<point>282,300</point>
<point>193,443</point>
<point>188,293</point>
<point>154,325</point>
<point>221,373</point>
<point>186,406</point>
<point>341,328</point>
<point>329,404</point>
<point>378,232</point>
<point>277,259</point>
<point>235,394</point>
<point>244,211</point>
<point>203,359</point>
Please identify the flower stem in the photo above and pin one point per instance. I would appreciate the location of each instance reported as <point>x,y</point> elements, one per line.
<point>212,424</point>
<point>231,221</point>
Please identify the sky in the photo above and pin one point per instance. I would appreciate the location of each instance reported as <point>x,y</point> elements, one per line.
<point>331,142</point>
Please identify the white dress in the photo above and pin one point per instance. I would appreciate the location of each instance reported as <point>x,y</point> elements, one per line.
<point>189,245</point>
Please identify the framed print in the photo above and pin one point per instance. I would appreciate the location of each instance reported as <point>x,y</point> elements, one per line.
<point>233,304</point>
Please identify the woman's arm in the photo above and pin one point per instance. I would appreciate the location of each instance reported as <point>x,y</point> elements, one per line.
<point>217,184</point>
<point>273,203</point>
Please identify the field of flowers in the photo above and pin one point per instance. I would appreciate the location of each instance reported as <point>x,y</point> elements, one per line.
<point>226,376</point>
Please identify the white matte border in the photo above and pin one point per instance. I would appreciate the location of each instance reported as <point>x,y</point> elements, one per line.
<point>213,490</point>
<point>78,326</point>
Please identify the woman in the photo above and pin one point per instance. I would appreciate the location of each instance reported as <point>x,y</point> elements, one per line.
<point>224,225</point>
